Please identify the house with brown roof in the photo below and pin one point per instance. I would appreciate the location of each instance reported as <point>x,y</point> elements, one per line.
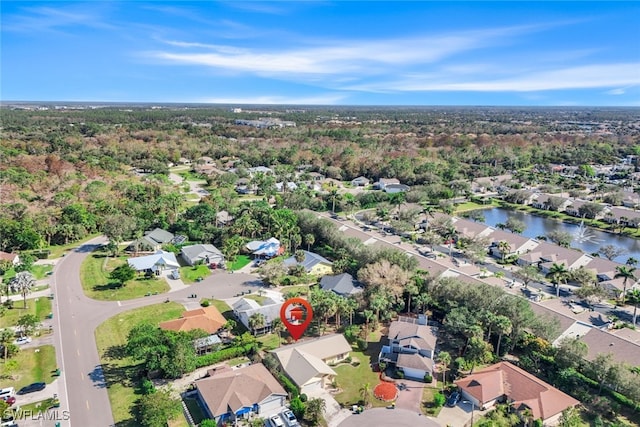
<point>504,382</point>
<point>227,395</point>
<point>209,319</point>
<point>307,362</point>
<point>411,346</point>
<point>13,258</point>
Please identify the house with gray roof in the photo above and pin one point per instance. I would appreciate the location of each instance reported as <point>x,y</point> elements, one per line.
<point>361,181</point>
<point>517,244</point>
<point>471,229</point>
<point>411,347</point>
<point>312,263</point>
<point>244,308</point>
<point>343,284</point>
<point>207,254</point>
<point>156,263</point>
<point>151,241</point>
<point>545,254</point>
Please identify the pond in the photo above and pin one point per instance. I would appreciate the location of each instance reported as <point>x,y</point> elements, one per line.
<point>585,238</point>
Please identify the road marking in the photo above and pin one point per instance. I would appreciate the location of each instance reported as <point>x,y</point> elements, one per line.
<point>87,404</point>
<point>78,351</point>
<point>119,304</point>
<point>75,332</point>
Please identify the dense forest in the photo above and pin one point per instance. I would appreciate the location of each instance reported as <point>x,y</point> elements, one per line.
<point>68,172</point>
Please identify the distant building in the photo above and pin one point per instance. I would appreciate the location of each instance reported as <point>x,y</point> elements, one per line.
<point>312,263</point>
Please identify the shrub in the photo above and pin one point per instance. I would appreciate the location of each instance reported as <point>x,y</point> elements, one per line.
<point>399,374</point>
<point>428,378</point>
<point>219,356</point>
<point>303,397</point>
<point>438,400</point>
<point>362,344</point>
<point>205,303</point>
<point>147,387</point>
<point>288,385</point>
<point>351,333</point>
<point>297,407</point>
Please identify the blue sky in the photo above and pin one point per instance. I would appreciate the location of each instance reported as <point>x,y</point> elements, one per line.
<point>323,53</point>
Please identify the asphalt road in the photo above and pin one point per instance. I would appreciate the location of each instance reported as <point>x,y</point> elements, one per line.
<point>82,389</point>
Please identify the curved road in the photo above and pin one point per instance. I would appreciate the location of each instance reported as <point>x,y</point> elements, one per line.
<point>82,389</point>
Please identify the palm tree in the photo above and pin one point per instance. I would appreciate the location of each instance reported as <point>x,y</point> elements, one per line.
<point>445,360</point>
<point>256,321</point>
<point>277,326</point>
<point>627,273</point>
<point>22,282</point>
<point>309,239</point>
<point>634,299</point>
<point>504,248</point>
<point>632,261</point>
<point>6,336</point>
<point>334,196</point>
<point>558,274</point>
<point>365,393</point>
<point>314,410</point>
<point>502,326</point>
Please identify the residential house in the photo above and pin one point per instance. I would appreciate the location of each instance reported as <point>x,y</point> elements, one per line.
<point>604,269</point>
<point>223,218</point>
<point>518,244</point>
<point>227,395</point>
<point>541,201</point>
<point>307,362</point>
<point>623,216</point>
<point>290,186</point>
<point>155,263</point>
<point>411,347</point>
<point>630,199</point>
<point>545,254</point>
<point>260,169</point>
<point>244,308</point>
<point>244,186</point>
<point>471,229</point>
<point>152,241</point>
<point>312,263</point>
<point>343,284</point>
<point>573,208</point>
<point>504,382</point>
<point>360,181</point>
<point>208,319</point>
<point>12,258</point>
<point>208,254</point>
<point>265,248</point>
<point>383,182</point>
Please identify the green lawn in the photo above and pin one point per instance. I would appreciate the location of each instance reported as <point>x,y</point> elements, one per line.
<point>94,274</point>
<point>39,307</point>
<point>120,371</point>
<point>29,366</point>
<point>190,274</point>
<point>268,341</point>
<point>427,406</point>
<point>296,290</point>
<point>58,251</point>
<point>351,378</point>
<point>227,312</point>
<point>257,298</point>
<point>241,261</point>
<point>40,271</point>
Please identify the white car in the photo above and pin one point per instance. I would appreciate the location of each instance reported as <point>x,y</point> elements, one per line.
<point>22,340</point>
<point>290,418</point>
<point>276,421</point>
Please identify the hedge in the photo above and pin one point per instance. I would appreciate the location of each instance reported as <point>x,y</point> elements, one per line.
<point>288,385</point>
<point>219,356</point>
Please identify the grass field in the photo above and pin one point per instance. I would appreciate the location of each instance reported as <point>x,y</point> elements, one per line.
<point>227,312</point>
<point>351,378</point>
<point>58,251</point>
<point>39,307</point>
<point>190,274</point>
<point>427,406</point>
<point>29,366</point>
<point>268,341</point>
<point>40,271</point>
<point>96,283</point>
<point>120,371</point>
<point>241,261</point>
<point>257,298</point>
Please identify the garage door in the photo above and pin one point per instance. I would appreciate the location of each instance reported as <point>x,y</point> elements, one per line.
<point>312,387</point>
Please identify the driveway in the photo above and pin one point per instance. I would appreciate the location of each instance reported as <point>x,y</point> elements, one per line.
<point>411,397</point>
<point>459,415</point>
<point>382,417</point>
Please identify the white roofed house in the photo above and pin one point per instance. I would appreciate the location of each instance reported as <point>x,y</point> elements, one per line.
<point>207,254</point>
<point>155,263</point>
<point>245,308</point>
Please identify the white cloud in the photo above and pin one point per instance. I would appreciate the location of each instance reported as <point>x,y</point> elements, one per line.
<point>618,91</point>
<point>327,99</point>
<point>581,77</point>
<point>38,19</point>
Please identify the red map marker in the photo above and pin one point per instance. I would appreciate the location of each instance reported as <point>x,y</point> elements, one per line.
<point>296,315</point>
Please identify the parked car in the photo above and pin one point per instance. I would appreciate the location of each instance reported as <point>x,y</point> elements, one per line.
<point>453,399</point>
<point>290,418</point>
<point>31,388</point>
<point>22,340</point>
<point>9,399</point>
<point>276,421</point>
<point>6,393</point>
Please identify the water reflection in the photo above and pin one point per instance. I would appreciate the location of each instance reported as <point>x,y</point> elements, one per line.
<point>587,239</point>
